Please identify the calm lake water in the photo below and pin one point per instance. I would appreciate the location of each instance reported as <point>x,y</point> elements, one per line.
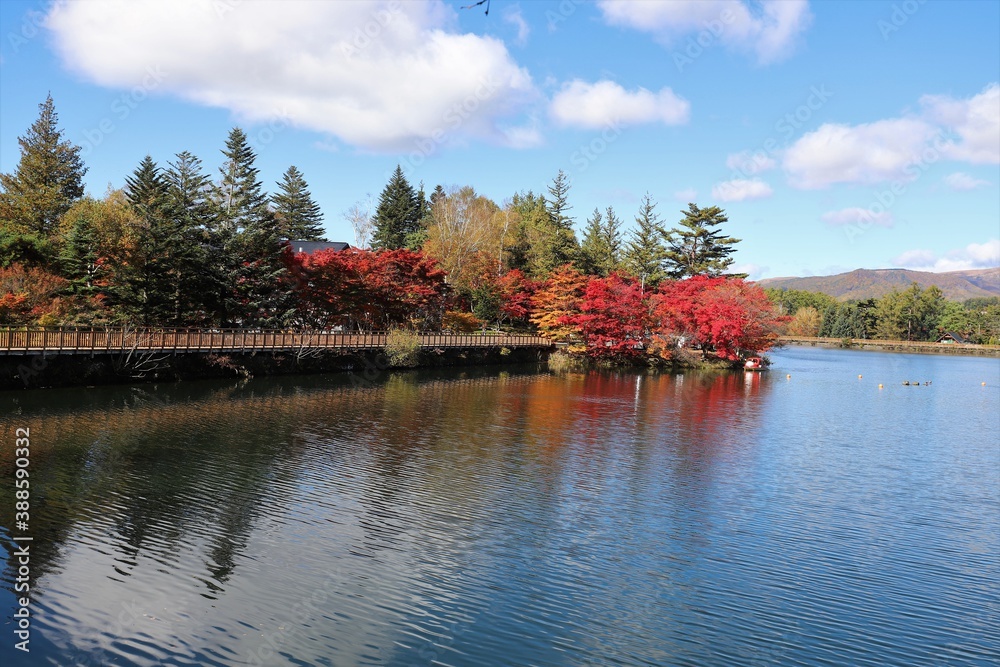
<point>491,517</point>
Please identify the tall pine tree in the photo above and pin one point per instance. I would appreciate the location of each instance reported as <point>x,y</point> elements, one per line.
<point>199,275</point>
<point>646,252</point>
<point>299,217</point>
<point>48,178</point>
<point>600,249</point>
<point>144,288</point>
<point>560,237</point>
<point>398,215</point>
<point>698,247</point>
<point>251,242</point>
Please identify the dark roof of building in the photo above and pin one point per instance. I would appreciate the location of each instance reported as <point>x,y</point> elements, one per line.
<point>309,247</point>
<point>958,338</point>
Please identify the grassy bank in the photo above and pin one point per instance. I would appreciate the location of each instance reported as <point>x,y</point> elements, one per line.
<point>917,347</point>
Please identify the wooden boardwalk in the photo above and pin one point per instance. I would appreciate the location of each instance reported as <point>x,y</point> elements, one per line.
<point>114,340</point>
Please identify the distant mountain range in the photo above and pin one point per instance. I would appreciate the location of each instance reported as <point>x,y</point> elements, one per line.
<point>874,283</point>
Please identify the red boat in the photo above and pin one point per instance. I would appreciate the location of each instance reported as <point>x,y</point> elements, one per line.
<point>755,364</point>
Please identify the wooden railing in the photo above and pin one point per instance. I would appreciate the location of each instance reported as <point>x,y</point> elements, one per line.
<point>94,341</point>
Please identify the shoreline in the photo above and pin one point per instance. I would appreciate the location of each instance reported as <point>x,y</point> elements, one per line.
<point>51,370</point>
<point>911,347</point>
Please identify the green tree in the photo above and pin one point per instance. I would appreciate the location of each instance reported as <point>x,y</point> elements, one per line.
<point>199,277</point>
<point>698,246</point>
<point>250,240</point>
<point>299,217</point>
<point>398,214</point>
<point>560,239</point>
<point>143,286</point>
<point>600,250</point>
<point>645,252</point>
<point>47,180</point>
<point>78,258</point>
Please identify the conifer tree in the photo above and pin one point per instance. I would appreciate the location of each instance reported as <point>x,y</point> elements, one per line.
<point>559,239</point>
<point>78,258</point>
<point>646,252</point>
<point>250,242</point>
<point>48,178</point>
<point>592,248</point>
<point>698,248</point>
<point>398,214</point>
<point>601,247</point>
<point>200,284</point>
<point>299,217</point>
<point>143,285</point>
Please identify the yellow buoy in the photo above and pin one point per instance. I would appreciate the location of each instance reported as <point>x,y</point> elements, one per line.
<point>859,377</point>
<point>880,386</point>
<point>789,377</point>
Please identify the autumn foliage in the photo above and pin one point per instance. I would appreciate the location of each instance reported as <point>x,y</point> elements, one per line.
<point>613,319</point>
<point>557,302</point>
<point>725,317</point>
<point>360,289</point>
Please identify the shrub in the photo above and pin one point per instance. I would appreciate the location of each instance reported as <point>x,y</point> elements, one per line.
<point>402,348</point>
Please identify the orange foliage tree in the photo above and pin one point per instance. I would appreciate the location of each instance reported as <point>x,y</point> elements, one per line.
<point>557,301</point>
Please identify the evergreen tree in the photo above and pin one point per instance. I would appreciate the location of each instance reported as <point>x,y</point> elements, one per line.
<point>200,279</point>
<point>698,248</point>
<point>592,247</point>
<point>143,286</point>
<point>299,217</point>
<point>645,253</point>
<point>612,235</point>
<point>416,239</point>
<point>600,249</point>
<point>250,242</point>
<point>398,214</point>
<point>78,258</point>
<point>559,239</point>
<point>48,178</point>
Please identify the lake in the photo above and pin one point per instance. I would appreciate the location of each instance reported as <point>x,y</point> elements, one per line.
<point>800,516</point>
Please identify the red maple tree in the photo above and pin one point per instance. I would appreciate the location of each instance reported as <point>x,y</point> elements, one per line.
<point>369,290</point>
<point>613,318</point>
<point>727,317</point>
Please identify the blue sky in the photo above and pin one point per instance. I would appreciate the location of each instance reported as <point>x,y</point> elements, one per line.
<point>836,135</point>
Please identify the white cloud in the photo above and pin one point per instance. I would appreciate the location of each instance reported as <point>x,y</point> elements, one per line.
<point>605,103</point>
<point>512,14</point>
<point>976,121</point>
<point>868,153</point>
<point>687,195</point>
<point>740,189</point>
<point>380,74</point>
<point>854,215</point>
<point>753,271</point>
<point>973,256</point>
<point>961,182</point>
<point>768,28</point>
<point>750,164</point>
<point>899,149</point>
